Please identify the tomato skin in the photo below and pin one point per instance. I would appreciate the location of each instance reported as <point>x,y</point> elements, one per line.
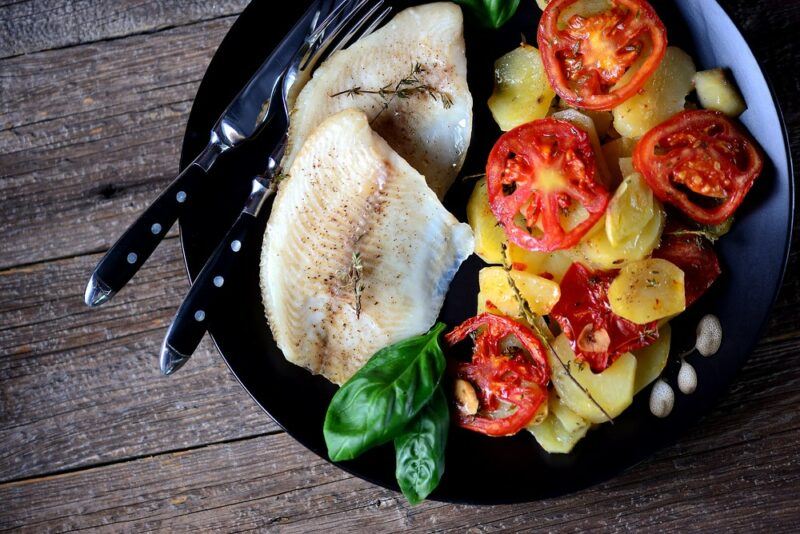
<point>584,306</point>
<point>563,53</point>
<point>704,152</point>
<point>694,255</point>
<point>513,379</point>
<point>516,175</point>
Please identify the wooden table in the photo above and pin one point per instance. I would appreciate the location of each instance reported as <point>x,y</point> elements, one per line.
<point>94,97</point>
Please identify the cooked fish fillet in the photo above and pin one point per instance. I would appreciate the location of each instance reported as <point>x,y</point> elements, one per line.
<point>352,200</point>
<point>430,129</point>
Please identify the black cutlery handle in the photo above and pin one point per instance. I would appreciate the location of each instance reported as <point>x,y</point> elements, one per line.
<point>190,323</point>
<point>142,237</point>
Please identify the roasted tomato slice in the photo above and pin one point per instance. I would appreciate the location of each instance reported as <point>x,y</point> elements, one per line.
<point>694,255</point>
<point>597,335</point>
<point>700,162</point>
<point>508,370</point>
<point>597,60</point>
<point>544,186</point>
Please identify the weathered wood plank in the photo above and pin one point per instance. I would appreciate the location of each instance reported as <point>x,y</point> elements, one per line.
<point>90,135</point>
<point>272,482</point>
<point>31,25</point>
<point>80,387</point>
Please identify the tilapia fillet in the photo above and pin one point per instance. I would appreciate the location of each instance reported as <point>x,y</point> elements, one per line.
<point>354,214</point>
<point>430,129</point>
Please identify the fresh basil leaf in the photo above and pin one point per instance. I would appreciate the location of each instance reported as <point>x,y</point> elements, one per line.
<point>491,13</point>
<point>419,450</point>
<point>379,401</point>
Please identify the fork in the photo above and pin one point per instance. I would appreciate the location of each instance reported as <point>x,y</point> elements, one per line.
<point>189,325</point>
<point>131,250</point>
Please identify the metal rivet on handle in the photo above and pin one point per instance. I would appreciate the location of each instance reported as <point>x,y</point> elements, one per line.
<point>218,281</point>
<point>181,197</point>
<point>236,245</point>
<point>199,315</point>
<point>132,257</point>
<point>155,229</point>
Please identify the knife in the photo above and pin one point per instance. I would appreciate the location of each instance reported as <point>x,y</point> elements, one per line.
<point>241,120</point>
<point>200,304</point>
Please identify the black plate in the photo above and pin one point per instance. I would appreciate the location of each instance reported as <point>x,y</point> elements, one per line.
<point>479,469</point>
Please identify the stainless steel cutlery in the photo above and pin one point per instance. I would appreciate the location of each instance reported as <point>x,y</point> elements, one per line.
<point>327,26</point>
<point>189,325</point>
<point>242,119</point>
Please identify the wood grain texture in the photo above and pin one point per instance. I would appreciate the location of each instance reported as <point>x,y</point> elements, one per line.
<point>80,387</point>
<point>32,25</point>
<point>272,482</point>
<point>89,133</point>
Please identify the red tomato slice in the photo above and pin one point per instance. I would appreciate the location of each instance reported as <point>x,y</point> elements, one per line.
<point>700,162</point>
<point>586,57</point>
<point>536,175</point>
<point>694,255</point>
<point>597,335</point>
<point>508,370</point>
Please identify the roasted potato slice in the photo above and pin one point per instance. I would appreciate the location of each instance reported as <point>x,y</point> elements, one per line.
<point>496,295</point>
<point>651,360</point>
<point>662,96</point>
<point>596,250</point>
<point>561,429</point>
<point>612,389</point>
<point>489,235</point>
<point>648,290</point>
<point>715,91</point>
<point>630,209</point>
<point>521,90</point>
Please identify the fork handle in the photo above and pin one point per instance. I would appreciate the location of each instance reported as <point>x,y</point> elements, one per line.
<point>191,321</point>
<point>132,249</point>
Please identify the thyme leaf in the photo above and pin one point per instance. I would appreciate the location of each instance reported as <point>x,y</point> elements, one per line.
<point>351,277</point>
<point>406,87</point>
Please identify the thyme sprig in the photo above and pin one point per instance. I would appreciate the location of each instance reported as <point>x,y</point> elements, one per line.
<point>702,233</point>
<point>407,87</point>
<point>351,277</point>
<point>712,232</point>
<point>542,330</point>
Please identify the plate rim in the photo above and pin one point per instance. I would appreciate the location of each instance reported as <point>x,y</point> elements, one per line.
<point>186,157</point>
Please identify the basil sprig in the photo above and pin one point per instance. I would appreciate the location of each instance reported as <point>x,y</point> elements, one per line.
<point>380,400</point>
<point>491,13</point>
<point>419,451</point>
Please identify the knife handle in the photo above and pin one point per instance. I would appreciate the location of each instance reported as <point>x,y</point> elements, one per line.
<point>190,323</point>
<point>132,249</point>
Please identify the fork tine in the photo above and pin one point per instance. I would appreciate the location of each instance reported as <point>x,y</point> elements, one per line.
<point>368,27</point>
<point>329,39</point>
<point>331,18</point>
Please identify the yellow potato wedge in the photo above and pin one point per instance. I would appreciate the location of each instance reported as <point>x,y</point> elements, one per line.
<point>651,360</point>
<point>715,91</point>
<point>630,209</point>
<point>521,90</point>
<point>561,429</point>
<point>596,250</point>
<point>614,151</point>
<point>489,235</point>
<point>647,290</point>
<point>547,264</point>
<point>663,95</point>
<point>626,166</point>
<point>612,389</point>
<point>496,295</point>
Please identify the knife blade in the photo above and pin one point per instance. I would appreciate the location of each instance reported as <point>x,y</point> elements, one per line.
<point>241,120</point>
